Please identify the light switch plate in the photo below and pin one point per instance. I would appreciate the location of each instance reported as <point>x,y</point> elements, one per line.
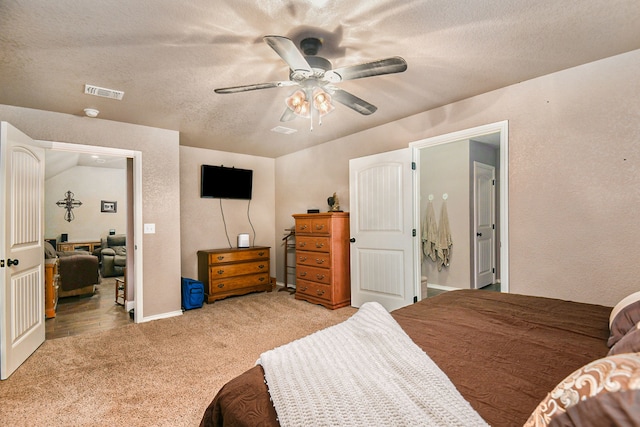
<point>149,229</point>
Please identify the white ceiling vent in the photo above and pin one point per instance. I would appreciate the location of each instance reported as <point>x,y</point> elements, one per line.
<point>282,129</point>
<point>105,93</point>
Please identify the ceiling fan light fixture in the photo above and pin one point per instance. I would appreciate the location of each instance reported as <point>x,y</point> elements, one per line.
<point>322,102</point>
<point>298,103</point>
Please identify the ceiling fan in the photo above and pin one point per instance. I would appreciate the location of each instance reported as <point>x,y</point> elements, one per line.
<point>316,79</point>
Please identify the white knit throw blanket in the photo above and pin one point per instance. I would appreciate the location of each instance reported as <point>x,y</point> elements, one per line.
<point>365,371</point>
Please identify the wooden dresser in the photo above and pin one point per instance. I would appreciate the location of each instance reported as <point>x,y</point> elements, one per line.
<point>51,278</point>
<point>227,272</point>
<point>322,259</point>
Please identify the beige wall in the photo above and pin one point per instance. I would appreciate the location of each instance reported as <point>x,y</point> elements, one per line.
<point>203,226</point>
<point>160,188</point>
<point>90,185</point>
<point>574,175</point>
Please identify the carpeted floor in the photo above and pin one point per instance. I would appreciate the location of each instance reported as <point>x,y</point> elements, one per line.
<point>160,373</point>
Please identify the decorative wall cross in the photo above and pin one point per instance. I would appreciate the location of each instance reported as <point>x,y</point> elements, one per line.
<point>69,203</point>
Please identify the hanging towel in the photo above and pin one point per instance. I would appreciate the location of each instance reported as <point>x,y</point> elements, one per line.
<point>443,242</point>
<point>429,233</point>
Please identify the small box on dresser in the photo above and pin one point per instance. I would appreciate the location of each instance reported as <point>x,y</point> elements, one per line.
<point>322,259</point>
<point>228,272</point>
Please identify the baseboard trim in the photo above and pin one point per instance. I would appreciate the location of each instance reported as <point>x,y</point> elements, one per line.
<point>442,287</point>
<point>161,316</point>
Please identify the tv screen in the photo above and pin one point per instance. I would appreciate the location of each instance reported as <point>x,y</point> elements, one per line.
<point>220,182</point>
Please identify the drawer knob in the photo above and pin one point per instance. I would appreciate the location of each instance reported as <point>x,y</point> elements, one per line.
<point>319,276</point>
<point>220,271</point>
<point>319,261</point>
<point>261,279</point>
<point>319,245</point>
<point>303,289</point>
<point>303,274</point>
<point>320,292</point>
<point>303,258</point>
<point>220,257</point>
<point>221,285</point>
<point>260,253</point>
<point>319,226</point>
<point>302,244</point>
<point>303,227</point>
<point>261,266</point>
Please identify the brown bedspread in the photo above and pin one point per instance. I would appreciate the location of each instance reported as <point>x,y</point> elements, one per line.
<point>504,353</point>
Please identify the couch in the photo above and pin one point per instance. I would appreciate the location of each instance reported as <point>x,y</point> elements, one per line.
<point>113,255</point>
<point>78,270</point>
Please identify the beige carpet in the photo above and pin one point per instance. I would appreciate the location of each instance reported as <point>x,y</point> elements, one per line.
<point>160,373</point>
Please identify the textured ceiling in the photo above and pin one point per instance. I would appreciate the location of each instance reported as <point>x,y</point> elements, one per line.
<point>168,56</point>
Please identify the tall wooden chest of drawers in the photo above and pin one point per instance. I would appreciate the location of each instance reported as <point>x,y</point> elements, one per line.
<point>322,259</point>
<point>227,272</point>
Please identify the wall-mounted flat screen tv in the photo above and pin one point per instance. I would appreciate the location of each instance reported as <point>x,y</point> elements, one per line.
<point>219,182</point>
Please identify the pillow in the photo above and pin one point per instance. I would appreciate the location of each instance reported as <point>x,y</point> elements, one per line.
<point>624,317</point>
<point>601,393</point>
<point>630,343</point>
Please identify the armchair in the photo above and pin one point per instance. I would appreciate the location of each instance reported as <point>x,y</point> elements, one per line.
<point>113,255</point>
<point>78,274</point>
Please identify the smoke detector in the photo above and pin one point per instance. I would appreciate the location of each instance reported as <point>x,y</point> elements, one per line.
<point>103,92</point>
<point>91,112</point>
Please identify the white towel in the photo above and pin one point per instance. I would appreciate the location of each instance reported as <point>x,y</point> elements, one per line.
<point>429,233</point>
<point>443,243</point>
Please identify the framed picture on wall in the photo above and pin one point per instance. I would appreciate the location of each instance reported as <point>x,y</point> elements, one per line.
<point>110,207</point>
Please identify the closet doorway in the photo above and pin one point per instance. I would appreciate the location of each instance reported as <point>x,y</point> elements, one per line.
<point>463,175</point>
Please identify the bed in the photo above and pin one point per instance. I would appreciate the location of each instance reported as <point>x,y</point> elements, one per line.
<point>506,354</point>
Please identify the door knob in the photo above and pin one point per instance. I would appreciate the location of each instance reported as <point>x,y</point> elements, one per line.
<point>11,262</point>
<point>352,240</point>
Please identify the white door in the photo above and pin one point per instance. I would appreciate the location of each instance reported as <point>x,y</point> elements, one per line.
<point>21,251</point>
<point>484,224</point>
<point>380,194</point>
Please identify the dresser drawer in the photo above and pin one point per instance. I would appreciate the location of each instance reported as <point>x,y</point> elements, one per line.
<point>313,225</point>
<point>310,243</point>
<point>230,270</point>
<point>321,275</point>
<point>238,282</point>
<point>314,259</point>
<point>240,255</point>
<point>315,291</point>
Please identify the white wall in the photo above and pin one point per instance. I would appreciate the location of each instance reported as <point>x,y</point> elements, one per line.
<point>574,175</point>
<point>160,188</point>
<point>90,185</point>
<point>445,170</point>
<point>202,222</point>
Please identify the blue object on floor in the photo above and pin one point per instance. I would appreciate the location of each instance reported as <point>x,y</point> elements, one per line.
<point>192,294</point>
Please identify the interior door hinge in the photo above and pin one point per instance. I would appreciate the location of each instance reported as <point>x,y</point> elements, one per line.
<point>413,232</point>
<point>415,299</point>
<point>493,226</point>
<point>413,165</point>
<point>1,263</point>
<point>493,270</point>
<point>493,182</point>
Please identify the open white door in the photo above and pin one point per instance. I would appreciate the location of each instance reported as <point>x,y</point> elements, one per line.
<point>380,194</point>
<point>22,328</point>
<point>484,224</point>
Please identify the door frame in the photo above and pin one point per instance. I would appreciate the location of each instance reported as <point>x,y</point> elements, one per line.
<point>501,127</point>
<point>136,258</point>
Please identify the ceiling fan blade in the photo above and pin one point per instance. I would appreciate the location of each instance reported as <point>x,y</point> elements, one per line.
<point>369,69</point>
<point>353,102</point>
<point>290,54</point>
<point>288,115</point>
<point>245,88</point>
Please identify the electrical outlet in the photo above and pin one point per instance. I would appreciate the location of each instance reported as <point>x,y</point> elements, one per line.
<point>149,229</point>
